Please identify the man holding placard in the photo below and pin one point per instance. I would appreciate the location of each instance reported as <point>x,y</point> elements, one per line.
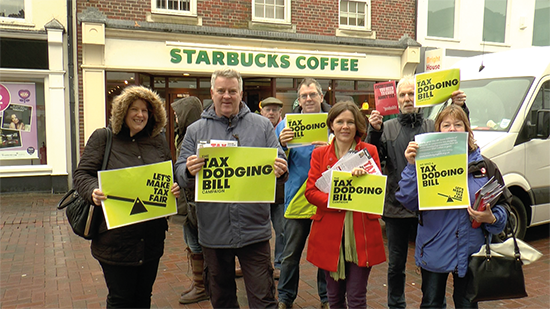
<point>391,138</point>
<point>232,229</point>
<point>298,210</point>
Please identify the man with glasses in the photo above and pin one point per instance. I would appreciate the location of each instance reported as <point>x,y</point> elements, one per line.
<point>234,229</point>
<point>392,138</point>
<point>298,211</point>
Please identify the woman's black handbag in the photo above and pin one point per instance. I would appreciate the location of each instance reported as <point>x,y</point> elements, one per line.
<point>492,277</point>
<point>83,217</point>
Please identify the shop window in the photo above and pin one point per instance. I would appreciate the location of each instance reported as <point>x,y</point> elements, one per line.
<point>187,83</point>
<point>355,14</point>
<point>204,83</point>
<point>344,84</point>
<point>272,11</point>
<point>441,18</point>
<point>159,82</point>
<point>541,24</point>
<point>174,7</point>
<point>22,123</point>
<point>284,83</point>
<point>494,21</point>
<point>365,86</point>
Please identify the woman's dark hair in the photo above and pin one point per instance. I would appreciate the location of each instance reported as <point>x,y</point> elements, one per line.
<point>342,106</point>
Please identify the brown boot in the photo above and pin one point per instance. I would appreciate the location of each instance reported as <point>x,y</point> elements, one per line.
<point>197,292</point>
<point>187,290</point>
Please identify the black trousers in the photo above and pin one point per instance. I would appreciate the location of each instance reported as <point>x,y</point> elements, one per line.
<point>130,286</point>
<point>255,262</point>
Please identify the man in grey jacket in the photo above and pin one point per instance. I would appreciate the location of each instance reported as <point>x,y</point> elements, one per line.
<point>237,229</point>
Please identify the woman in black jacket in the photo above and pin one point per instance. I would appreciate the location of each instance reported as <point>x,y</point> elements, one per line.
<point>129,255</point>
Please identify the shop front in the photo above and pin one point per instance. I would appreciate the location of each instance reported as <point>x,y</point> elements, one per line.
<point>34,124</point>
<point>177,65</point>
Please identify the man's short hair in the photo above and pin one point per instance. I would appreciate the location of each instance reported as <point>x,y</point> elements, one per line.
<point>406,80</point>
<point>308,81</point>
<point>227,73</point>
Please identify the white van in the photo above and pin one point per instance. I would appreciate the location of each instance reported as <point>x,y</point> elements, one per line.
<point>508,94</point>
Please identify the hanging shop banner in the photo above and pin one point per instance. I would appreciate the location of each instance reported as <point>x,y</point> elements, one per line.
<point>442,170</point>
<point>137,194</point>
<point>435,87</point>
<point>18,131</point>
<point>363,194</point>
<point>307,128</point>
<point>236,174</point>
<point>385,98</point>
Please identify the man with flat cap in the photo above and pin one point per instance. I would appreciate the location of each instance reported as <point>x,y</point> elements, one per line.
<point>271,109</point>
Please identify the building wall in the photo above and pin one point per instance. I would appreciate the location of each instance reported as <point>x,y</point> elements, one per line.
<point>391,19</point>
<point>468,40</point>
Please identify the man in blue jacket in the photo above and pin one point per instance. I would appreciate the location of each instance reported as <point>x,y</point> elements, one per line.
<point>298,210</point>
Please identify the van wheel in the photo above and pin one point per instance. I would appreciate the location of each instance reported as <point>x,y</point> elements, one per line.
<point>518,217</point>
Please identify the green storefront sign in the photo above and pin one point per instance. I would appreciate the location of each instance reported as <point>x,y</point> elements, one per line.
<point>263,60</point>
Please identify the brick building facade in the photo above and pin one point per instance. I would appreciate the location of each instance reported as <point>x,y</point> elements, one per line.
<point>173,46</point>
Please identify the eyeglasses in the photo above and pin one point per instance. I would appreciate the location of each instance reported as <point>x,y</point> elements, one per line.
<point>312,95</point>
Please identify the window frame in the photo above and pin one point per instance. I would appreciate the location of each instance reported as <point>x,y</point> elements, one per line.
<point>287,14</point>
<point>506,22</point>
<point>368,9</point>
<point>192,9</point>
<point>27,6</point>
<point>456,23</point>
<point>535,38</point>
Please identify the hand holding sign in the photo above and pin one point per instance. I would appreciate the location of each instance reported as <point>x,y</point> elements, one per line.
<point>194,164</point>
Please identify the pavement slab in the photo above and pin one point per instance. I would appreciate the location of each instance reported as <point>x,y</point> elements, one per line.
<point>43,264</point>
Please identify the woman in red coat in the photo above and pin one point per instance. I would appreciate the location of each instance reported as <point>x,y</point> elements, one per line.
<point>345,244</point>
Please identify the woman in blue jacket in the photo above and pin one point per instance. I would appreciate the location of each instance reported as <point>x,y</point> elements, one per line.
<point>445,238</point>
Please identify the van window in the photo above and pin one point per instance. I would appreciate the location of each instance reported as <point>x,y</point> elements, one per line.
<point>493,103</point>
<point>542,101</point>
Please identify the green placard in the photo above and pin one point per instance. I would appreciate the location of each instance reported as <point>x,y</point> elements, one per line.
<point>442,170</point>
<point>307,128</point>
<point>236,174</point>
<point>364,193</point>
<point>137,194</point>
<point>435,87</point>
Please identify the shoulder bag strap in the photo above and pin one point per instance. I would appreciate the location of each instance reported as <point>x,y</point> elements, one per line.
<point>108,143</point>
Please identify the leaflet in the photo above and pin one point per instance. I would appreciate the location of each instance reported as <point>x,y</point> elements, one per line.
<point>347,163</point>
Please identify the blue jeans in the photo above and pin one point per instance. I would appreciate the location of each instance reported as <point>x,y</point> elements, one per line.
<point>353,288</point>
<point>191,238</point>
<point>277,217</point>
<point>296,232</point>
<point>398,231</point>
<point>433,290</point>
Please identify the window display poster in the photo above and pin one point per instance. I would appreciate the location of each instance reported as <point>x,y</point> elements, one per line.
<point>18,121</point>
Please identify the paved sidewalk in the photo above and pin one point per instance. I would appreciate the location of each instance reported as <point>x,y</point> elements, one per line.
<point>44,265</point>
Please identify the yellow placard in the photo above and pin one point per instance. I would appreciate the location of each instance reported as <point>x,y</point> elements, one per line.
<point>307,128</point>
<point>236,174</point>
<point>442,170</point>
<point>137,194</point>
<point>435,87</point>
<point>364,193</point>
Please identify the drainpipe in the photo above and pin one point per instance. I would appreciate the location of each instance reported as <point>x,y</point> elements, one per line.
<point>73,108</point>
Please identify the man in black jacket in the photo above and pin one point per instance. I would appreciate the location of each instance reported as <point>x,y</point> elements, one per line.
<point>391,138</point>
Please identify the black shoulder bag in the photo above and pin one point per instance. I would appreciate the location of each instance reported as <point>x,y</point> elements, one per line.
<point>83,217</point>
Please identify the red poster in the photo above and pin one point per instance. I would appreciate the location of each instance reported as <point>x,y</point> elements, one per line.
<point>385,98</point>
